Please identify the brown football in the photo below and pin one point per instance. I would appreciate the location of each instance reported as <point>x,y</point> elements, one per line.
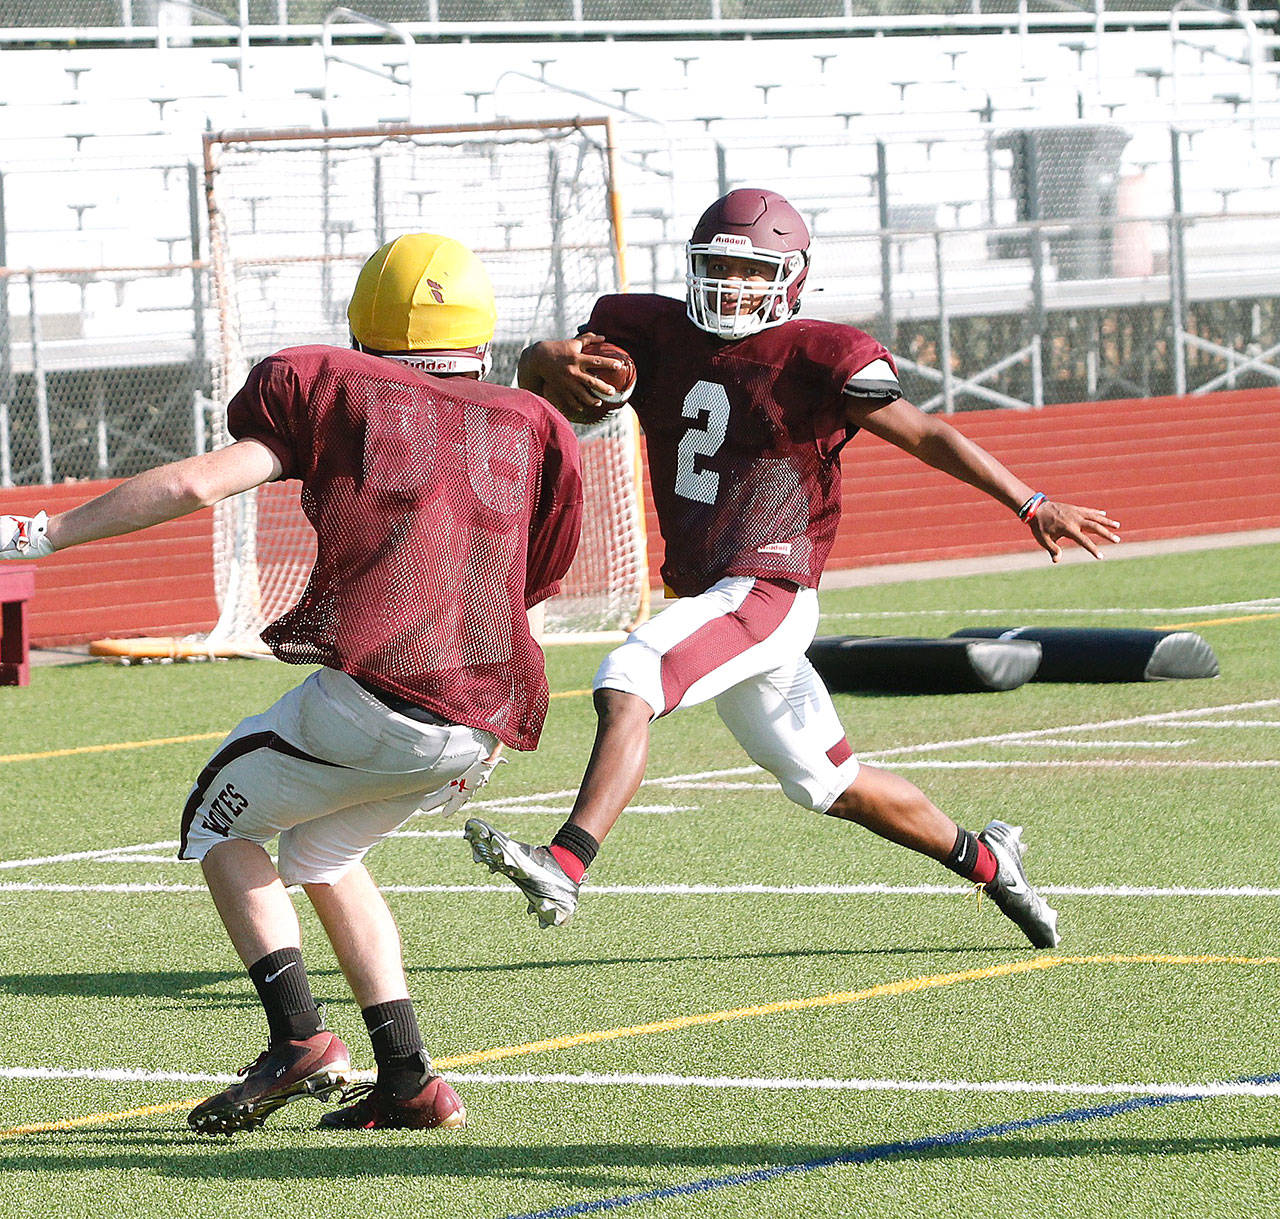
<point>622,379</point>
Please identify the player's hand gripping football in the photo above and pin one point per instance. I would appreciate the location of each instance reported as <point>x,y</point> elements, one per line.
<point>568,377</point>
<point>25,537</point>
<point>1054,521</point>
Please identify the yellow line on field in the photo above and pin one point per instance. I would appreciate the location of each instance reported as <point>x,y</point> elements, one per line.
<point>97,1119</point>
<point>1184,626</point>
<point>163,740</point>
<point>111,748</point>
<point>903,987</point>
<point>836,999</point>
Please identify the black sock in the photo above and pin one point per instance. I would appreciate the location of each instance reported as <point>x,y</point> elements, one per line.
<point>577,842</point>
<point>970,858</point>
<point>397,1046</point>
<point>281,981</point>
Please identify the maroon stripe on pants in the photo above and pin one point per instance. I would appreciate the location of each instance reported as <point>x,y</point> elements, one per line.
<point>227,754</point>
<point>722,639</point>
<point>840,752</point>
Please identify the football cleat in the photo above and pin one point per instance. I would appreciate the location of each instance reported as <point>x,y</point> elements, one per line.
<point>553,897</point>
<point>1012,892</point>
<point>285,1071</point>
<point>435,1105</point>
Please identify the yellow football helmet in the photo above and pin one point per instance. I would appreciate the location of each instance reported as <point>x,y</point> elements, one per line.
<point>423,293</point>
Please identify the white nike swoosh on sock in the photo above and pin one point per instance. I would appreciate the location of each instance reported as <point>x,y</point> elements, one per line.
<point>278,972</point>
<point>380,1027</point>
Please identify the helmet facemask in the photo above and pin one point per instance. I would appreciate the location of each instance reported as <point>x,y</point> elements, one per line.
<point>713,303</point>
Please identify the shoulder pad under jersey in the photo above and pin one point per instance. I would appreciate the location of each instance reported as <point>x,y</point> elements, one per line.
<point>877,383</point>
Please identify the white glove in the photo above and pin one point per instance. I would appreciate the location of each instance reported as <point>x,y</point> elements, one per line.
<point>448,800</point>
<point>25,537</point>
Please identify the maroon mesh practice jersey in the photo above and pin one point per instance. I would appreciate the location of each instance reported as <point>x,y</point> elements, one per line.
<point>743,437</point>
<point>426,494</point>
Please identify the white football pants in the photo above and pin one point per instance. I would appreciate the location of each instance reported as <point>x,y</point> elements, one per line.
<point>742,643</point>
<point>328,768</point>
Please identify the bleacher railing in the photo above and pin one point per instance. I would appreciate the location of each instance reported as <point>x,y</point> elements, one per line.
<point>222,21</point>
<point>1195,309</point>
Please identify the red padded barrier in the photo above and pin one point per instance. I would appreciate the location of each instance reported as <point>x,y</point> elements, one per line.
<point>156,582</point>
<point>1165,467</point>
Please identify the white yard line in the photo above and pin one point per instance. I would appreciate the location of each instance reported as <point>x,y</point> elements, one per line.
<point>138,859</point>
<point>1161,717</point>
<point>1217,1088</point>
<point>1090,764</point>
<point>497,806</point>
<point>1218,607</point>
<point>425,834</point>
<point>115,1075</point>
<point>712,1082</point>
<point>1061,743</point>
<point>107,853</point>
<point>726,779</point>
<point>1229,723</point>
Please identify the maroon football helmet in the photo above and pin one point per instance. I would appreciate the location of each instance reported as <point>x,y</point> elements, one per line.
<point>754,224</point>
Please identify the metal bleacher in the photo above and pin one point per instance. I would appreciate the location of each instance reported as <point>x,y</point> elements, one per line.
<point>780,103</point>
<point>883,143</point>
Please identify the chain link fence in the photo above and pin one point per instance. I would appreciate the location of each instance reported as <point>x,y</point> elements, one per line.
<point>129,14</point>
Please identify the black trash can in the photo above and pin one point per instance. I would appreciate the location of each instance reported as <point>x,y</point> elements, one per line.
<point>1068,173</point>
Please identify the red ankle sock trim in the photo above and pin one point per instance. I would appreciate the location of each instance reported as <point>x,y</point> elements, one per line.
<point>573,867</point>
<point>984,871</point>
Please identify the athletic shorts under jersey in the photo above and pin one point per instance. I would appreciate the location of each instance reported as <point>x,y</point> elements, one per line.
<point>426,494</point>
<point>743,437</point>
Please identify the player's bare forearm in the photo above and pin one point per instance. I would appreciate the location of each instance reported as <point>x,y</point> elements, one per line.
<point>938,444</point>
<point>165,492</point>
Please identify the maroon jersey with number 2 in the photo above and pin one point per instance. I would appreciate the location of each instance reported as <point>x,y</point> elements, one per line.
<point>743,438</point>
<point>443,508</point>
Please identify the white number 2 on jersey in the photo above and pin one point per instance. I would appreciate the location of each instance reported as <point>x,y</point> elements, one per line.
<point>702,441</point>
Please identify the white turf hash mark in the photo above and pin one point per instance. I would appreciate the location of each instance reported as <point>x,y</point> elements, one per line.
<point>714,780</point>
<point>593,1079</point>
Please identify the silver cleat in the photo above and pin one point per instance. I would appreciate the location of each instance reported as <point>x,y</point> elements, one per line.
<point>1012,892</point>
<point>553,897</point>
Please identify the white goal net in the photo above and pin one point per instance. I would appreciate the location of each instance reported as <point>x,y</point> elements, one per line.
<point>294,214</point>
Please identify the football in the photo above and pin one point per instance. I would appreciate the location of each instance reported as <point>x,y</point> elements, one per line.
<point>622,379</point>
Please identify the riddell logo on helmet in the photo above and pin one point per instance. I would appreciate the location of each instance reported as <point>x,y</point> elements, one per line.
<point>430,363</point>
<point>731,242</point>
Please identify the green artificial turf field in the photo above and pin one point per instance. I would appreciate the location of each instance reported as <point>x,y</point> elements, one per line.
<point>757,1010</point>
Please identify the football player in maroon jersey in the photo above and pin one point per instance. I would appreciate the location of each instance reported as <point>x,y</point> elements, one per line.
<point>445,509</point>
<point>746,409</point>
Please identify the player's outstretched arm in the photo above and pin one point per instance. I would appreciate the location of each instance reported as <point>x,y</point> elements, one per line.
<point>938,444</point>
<point>557,369</point>
<point>149,498</point>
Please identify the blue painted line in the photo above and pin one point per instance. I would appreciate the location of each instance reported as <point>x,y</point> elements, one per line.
<point>870,1154</point>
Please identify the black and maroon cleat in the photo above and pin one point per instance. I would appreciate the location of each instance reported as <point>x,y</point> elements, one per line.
<point>434,1105</point>
<point>285,1071</point>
